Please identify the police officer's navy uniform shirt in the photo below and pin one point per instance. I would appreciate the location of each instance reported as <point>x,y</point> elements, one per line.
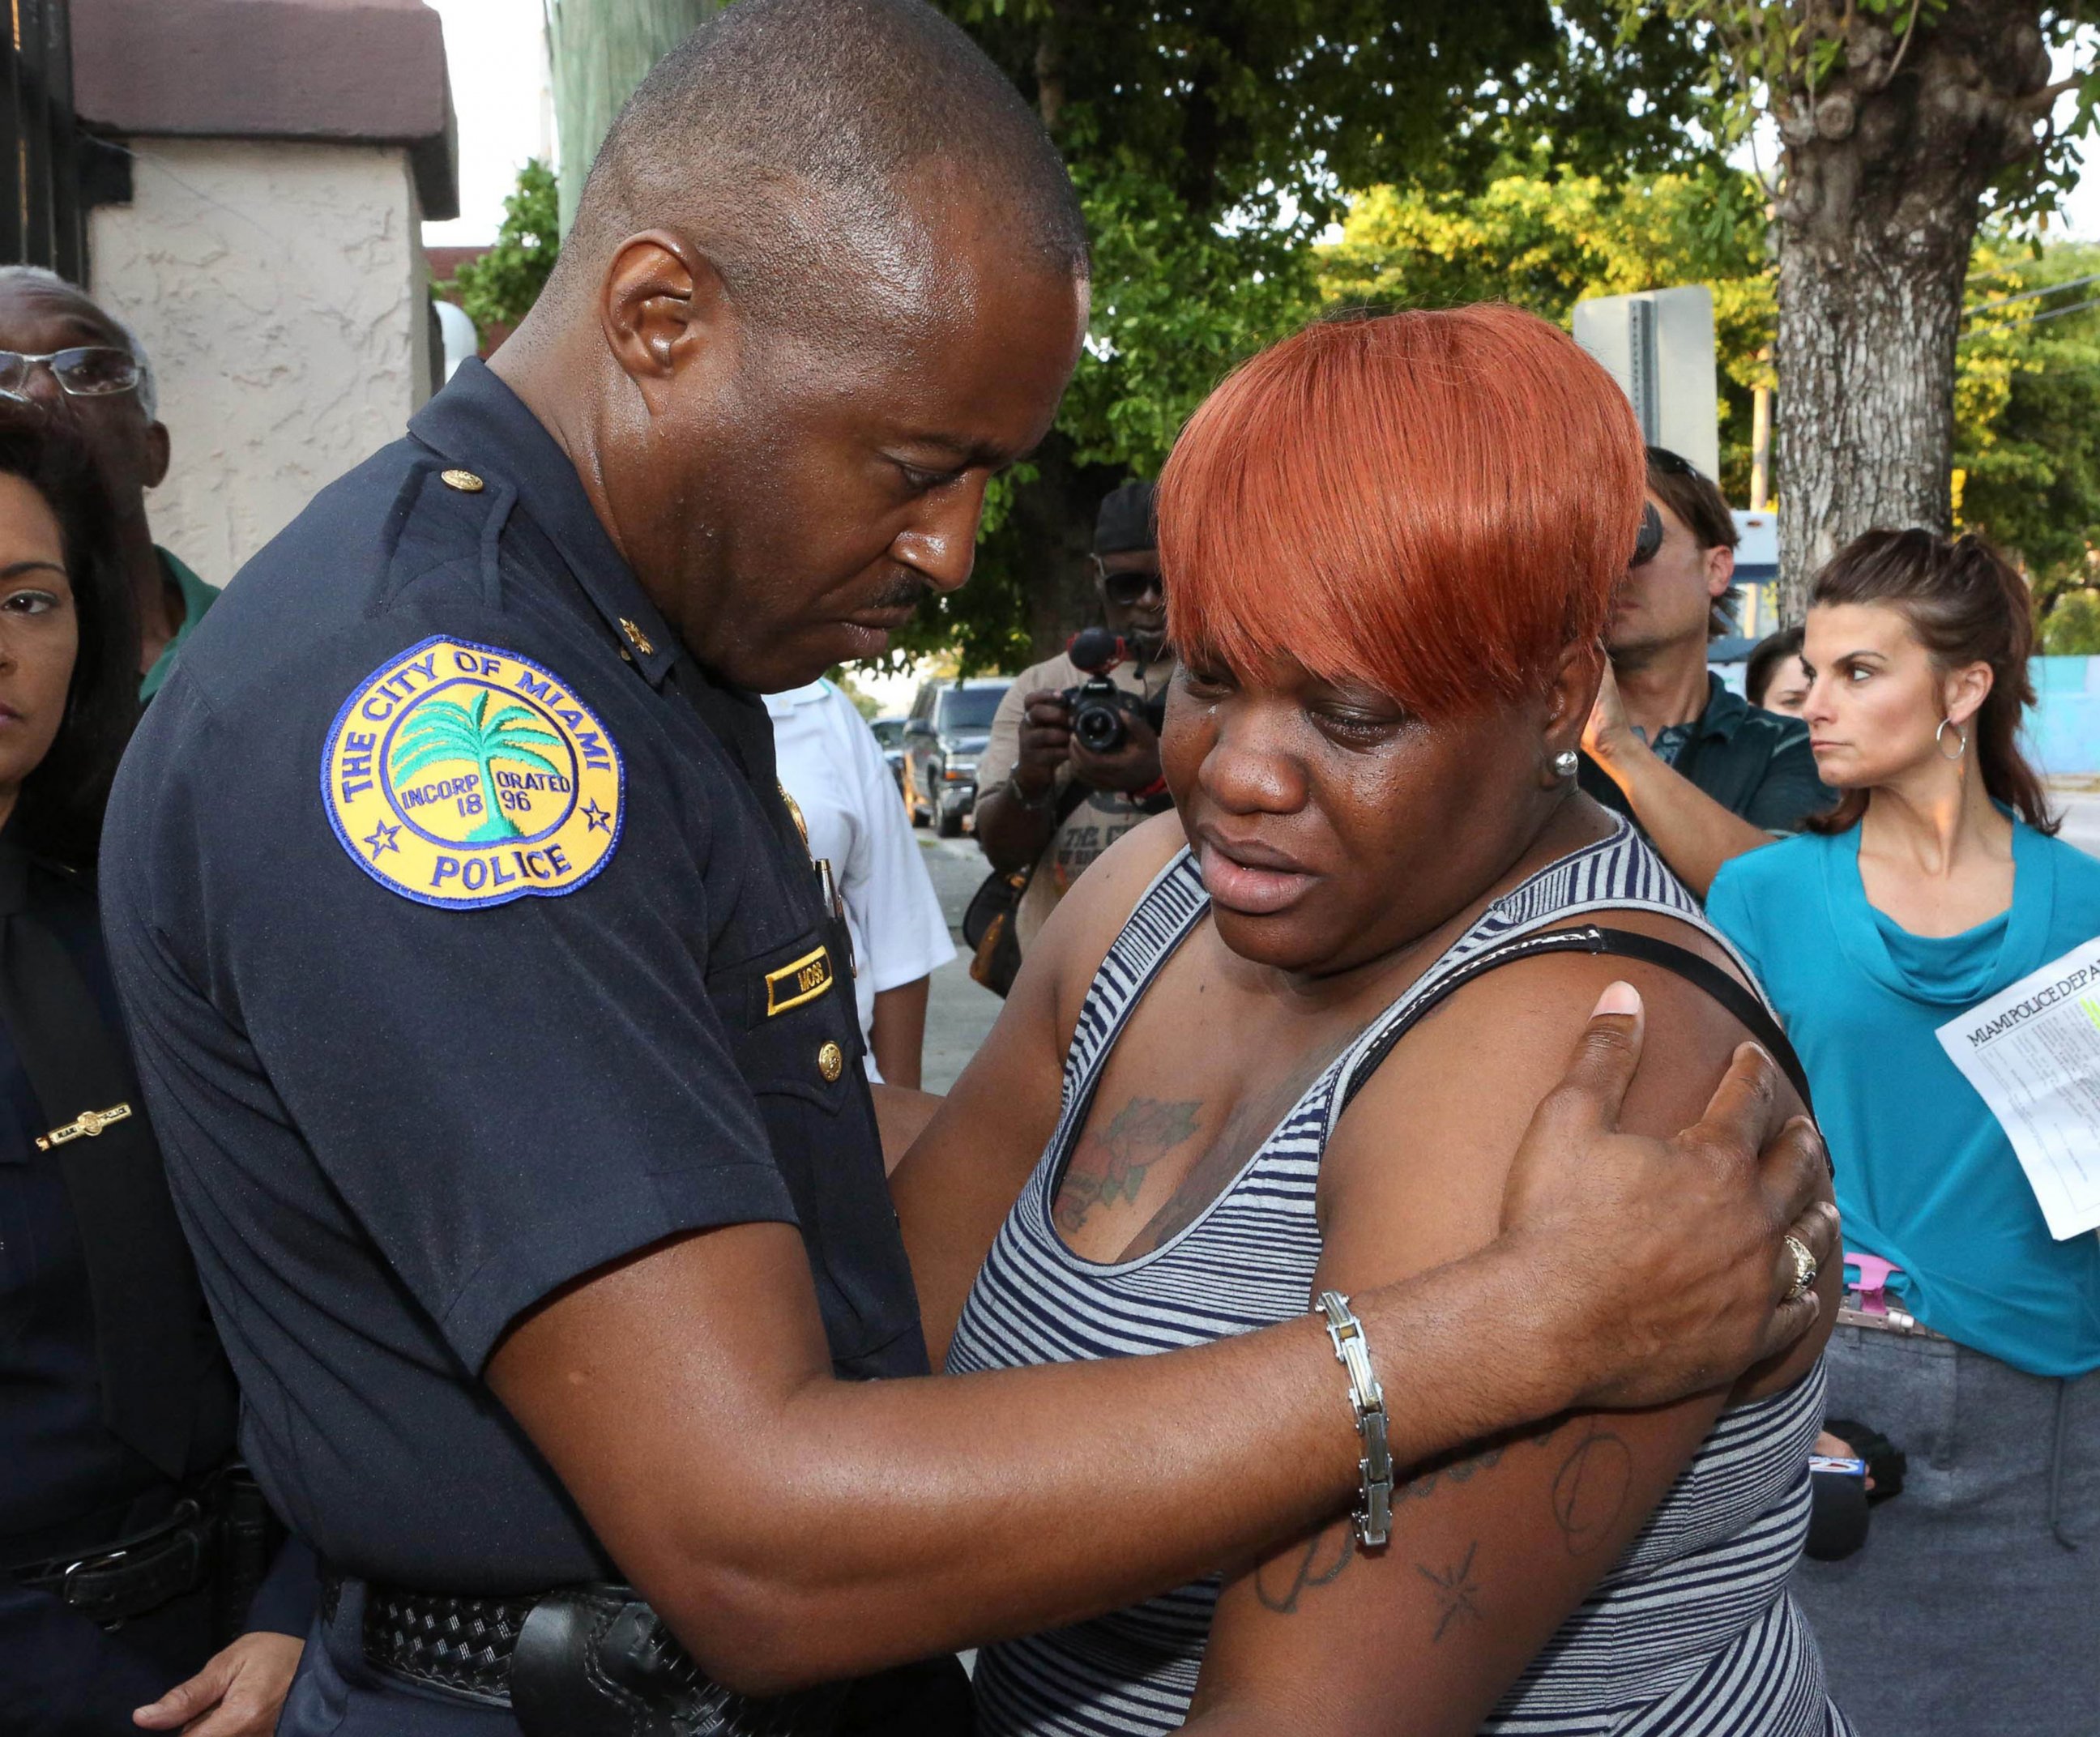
<point>467,946</point>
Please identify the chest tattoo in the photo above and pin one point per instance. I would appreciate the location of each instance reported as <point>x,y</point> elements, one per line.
<point>1111,1163</point>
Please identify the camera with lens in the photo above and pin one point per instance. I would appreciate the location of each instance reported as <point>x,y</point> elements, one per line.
<point>1100,710</point>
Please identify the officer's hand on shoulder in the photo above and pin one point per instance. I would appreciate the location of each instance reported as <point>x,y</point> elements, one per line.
<point>239,1693</point>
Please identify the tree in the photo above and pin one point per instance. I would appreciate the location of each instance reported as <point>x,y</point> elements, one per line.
<point>1545,240</point>
<point>441,731</point>
<point>499,288</point>
<point>1210,143</point>
<point>2072,628</point>
<point>1901,122</point>
<point>2027,421</point>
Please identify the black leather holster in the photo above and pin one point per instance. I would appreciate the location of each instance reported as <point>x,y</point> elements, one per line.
<point>583,1661</point>
<point>596,1659</point>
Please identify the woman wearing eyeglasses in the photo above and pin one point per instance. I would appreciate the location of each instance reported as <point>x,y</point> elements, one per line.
<point>1047,804</point>
<point>120,1565</point>
<point>59,350</point>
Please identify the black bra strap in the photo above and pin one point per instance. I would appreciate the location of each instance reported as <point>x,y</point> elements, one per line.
<point>1700,973</point>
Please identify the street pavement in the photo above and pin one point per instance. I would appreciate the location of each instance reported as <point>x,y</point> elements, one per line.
<point>959,1012</point>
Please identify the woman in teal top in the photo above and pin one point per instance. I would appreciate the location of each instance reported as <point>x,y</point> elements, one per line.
<point>1935,883</point>
<point>1926,1177</point>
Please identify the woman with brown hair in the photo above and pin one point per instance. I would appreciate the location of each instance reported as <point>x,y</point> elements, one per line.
<point>1935,883</point>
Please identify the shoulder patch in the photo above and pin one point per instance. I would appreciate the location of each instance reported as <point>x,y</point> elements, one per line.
<point>461,775</point>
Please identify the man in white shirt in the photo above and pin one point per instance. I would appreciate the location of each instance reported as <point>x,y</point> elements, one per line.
<point>831,764</point>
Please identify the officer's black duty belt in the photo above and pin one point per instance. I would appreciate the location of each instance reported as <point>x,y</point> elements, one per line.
<point>134,1574</point>
<point>571,1663</point>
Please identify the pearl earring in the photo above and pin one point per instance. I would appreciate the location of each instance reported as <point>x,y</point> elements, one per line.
<point>1565,763</point>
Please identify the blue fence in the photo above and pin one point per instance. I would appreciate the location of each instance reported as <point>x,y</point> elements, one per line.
<point>2063,730</point>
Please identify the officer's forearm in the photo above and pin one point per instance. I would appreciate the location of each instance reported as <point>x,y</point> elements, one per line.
<point>791,1528</point>
<point>1690,832</point>
<point>1012,833</point>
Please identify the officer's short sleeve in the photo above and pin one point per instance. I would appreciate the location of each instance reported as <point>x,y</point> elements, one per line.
<point>1789,793</point>
<point>506,1094</point>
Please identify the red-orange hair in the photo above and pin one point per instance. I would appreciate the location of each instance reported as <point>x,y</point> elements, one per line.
<point>1432,504</point>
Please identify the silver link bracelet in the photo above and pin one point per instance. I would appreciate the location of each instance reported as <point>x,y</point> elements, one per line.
<point>1374,1518</point>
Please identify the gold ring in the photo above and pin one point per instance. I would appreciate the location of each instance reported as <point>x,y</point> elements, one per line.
<point>1805,1268</point>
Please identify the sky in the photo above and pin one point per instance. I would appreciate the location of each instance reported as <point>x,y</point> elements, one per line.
<point>496,52</point>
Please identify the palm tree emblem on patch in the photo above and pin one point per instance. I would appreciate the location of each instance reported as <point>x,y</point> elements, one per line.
<point>443,731</point>
<point>461,775</point>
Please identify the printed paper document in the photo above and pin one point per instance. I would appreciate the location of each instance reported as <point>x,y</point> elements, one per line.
<point>2032,1052</point>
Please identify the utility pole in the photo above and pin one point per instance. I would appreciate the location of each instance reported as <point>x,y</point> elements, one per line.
<point>1761,440</point>
<point>598,51</point>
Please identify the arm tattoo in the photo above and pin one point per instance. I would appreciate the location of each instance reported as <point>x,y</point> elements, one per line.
<point>1111,1163</point>
<point>1456,1591</point>
<point>1589,1490</point>
<point>1281,1580</point>
<point>1456,1471</point>
<point>1463,1471</point>
<point>1589,1496</point>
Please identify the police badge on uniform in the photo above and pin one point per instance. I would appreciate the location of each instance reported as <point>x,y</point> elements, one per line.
<point>461,775</point>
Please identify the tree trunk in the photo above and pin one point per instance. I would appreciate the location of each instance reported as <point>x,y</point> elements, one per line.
<point>1885,166</point>
<point>1053,535</point>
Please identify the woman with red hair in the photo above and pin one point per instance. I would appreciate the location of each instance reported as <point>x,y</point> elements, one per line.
<point>1390,545</point>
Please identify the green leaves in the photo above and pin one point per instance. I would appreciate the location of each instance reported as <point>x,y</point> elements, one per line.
<point>499,288</point>
<point>1212,144</point>
<point>1545,240</point>
<point>2026,403</point>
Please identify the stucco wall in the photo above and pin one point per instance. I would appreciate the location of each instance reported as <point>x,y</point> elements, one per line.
<point>279,289</point>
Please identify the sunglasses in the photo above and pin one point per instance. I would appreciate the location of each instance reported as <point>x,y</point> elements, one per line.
<point>1125,590</point>
<point>1649,541</point>
<point>1670,464</point>
<point>87,371</point>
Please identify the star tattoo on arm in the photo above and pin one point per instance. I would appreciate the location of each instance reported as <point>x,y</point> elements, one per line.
<point>1456,1592</point>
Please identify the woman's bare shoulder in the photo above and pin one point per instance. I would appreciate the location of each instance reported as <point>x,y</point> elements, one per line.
<point>1464,1084</point>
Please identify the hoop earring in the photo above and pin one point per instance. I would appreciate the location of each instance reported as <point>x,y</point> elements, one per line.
<point>1565,763</point>
<point>1961,740</point>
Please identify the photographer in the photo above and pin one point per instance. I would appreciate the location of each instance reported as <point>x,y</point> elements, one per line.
<point>1047,800</point>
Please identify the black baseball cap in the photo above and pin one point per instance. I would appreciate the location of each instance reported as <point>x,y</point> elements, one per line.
<point>1126,521</point>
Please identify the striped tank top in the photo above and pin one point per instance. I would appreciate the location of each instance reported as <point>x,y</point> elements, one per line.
<point>1692,1631</point>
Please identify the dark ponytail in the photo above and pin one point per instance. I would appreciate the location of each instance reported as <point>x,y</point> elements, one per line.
<point>1967,604</point>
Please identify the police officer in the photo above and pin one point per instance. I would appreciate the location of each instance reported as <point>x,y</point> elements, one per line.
<point>495,1022</point>
<point>129,1552</point>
